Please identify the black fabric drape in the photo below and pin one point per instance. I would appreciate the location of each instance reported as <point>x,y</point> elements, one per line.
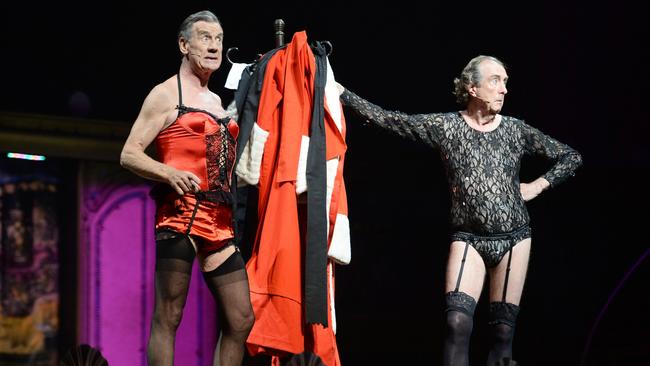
<point>316,244</point>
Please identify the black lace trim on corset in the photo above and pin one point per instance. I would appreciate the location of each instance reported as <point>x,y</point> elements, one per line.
<point>182,109</point>
<point>221,149</point>
<point>220,153</point>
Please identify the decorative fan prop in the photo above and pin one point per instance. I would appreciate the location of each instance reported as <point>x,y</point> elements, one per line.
<point>83,355</point>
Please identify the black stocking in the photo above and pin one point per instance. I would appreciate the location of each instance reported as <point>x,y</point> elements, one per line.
<point>174,256</point>
<point>229,285</point>
<point>460,318</point>
<point>503,317</point>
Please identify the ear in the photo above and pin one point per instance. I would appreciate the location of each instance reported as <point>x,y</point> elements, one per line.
<point>183,46</point>
<point>472,90</point>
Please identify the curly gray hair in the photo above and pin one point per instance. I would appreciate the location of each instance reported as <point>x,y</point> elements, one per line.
<point>185,30</point>
<point>470,76</point>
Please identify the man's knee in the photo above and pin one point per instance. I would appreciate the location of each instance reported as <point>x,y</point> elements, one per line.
<point>244,320</point>
<point>460,313</point>
<point>168,316</point>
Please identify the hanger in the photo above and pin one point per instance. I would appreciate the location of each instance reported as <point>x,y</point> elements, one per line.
<point>278,25</point>
<point>279,41</point>
<point>231,49</point>
<point>328,47</point>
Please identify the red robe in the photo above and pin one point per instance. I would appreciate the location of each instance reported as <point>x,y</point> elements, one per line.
<point>275,267</point>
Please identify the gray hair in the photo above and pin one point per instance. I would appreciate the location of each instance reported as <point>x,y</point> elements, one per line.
<point>185,30</point>
<point>470,76</point>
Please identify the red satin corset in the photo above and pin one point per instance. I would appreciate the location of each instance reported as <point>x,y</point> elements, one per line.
<point>199,143</point>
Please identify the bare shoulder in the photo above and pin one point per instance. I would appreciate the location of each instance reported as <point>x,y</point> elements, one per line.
<point>216,105</point>
<point>163,98</point>
<point>215,96</point>
<point>165,92</point>
<point>159,107</point>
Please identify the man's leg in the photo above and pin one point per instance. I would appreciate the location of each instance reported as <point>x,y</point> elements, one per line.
<point>228,283</point>
<point>174,256</point>
<point>463,285</point>
<point>506,286</point>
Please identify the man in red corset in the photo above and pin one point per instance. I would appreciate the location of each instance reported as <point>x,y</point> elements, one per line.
<point>196,145</point>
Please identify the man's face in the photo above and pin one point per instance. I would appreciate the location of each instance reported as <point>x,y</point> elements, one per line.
<point>205,47</point>
<point>492,90</point>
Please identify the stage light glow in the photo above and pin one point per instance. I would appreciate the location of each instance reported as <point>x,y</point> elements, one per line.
<point>14,155</point>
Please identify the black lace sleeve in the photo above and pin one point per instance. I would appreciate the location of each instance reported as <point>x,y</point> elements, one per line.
<point>567,160</point>
<point>424,128</point>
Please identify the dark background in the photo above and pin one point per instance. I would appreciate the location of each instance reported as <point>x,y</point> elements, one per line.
<point>578,71</point>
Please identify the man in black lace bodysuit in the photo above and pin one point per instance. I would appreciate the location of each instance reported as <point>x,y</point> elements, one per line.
<point>481,152</point>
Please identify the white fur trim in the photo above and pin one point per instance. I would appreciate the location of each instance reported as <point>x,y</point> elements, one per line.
<point>332,98</point>
<point>250,161</point>
<point>340,250</point>
<point>301,176</point>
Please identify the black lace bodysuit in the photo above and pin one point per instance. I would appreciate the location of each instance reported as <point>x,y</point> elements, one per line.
<point>482,169</point>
